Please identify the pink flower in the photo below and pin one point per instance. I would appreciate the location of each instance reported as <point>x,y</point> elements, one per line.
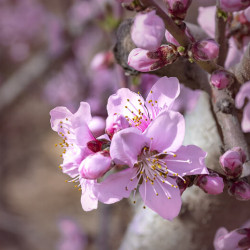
<point>205,50</point>
<point>211,184</point>
<point>139,60</point>
<point>141,113</point>
<point>153,158</point>
<point>243,94</point>
<point>240,190</point>
<point>233,5</point>
<point>145,60</point>
<point>78,144</point>
<point>221,79</point>
<point>232,161</point>
<point>148,30</point>
<point>178,8</point>
<point>237,239</point>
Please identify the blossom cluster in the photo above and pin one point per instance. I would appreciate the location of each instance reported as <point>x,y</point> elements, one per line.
<point>141,151</point>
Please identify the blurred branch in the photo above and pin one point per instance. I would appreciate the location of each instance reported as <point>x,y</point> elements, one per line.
<point>27,75</point>
<point>242,69</point>
<point>220,30</point>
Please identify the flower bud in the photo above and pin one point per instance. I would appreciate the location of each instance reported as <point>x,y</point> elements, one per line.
<point>233,5</point>
<point>211,184</point>
<point>221,79</point>
<point>148,30</point>
<point>95,166</point>
<point>241,190</point>
<point>178,8</point>
<point>205,50</point>
<point>102,60</point>
<point>144,60</point>
<point>115,123</point>
<point>97,126</point>
<point>232,161</point>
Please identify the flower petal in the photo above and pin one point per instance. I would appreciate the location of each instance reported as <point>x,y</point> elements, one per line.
<point>164,91</point>
<point>243,93</point>
<point>113,188</point>
<point>82,115</point>
<point>83,135</point>
<point>118,102</point>
<point>245,124</point>
<point>189,160</point>
<point>167,208</point>
<point>167,131</point>
<point>57,115</point>
<point>126,145</point>
<point>88,199</point>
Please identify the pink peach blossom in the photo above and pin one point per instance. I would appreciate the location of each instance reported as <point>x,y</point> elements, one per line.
<point>139,112</point>
<point>153,158</point>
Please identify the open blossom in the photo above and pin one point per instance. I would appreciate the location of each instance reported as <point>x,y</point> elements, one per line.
<point>139,112</point>
<point>238,239</point>
<point>153,158</point>
<point>148,30</point>
<point>243,94</point>
<point>79,146</point>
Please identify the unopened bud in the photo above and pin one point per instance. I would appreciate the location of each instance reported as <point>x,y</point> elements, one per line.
<point>241,190</point>
<point>233,5</point>
<point>148,30</point>
<point>95,166</point>
<point>115,123</point>
<point>102,60</point>
<point>221,79</point>
<point>232,161</point>
<point>211,184</point>
<point>178,8</point>
<point>144,60</point>
<point>205,50</point>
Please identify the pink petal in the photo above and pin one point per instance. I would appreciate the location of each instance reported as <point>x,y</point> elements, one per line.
<point>165,91</point>
<point>113,188</point>
<point>234,54</point>
<point>82,115</point>
<point>193,154</point>
<point>205,14</point>
<point>83,135</point>
<point>118,102</point>
<point>126,145</point>
<point>243,93</point>
<point>167,208</point>
<point>167,131</point>
<point>88,199</point>
<point>57,115</point>
<point>245,123</point>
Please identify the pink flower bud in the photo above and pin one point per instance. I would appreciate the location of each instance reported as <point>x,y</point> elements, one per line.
<point>178,8</point>
<point>144,60</point>
<point>241,190</point>
<point>139,60</point>
<point>102,60</point>
<point>211,184</point>
<point>95,166</point>
<point>97,126</point>
<point>233,5</point>
<point>221,79</point>
<point>148,30</point>
<point>205,50</point>
<point>115,123</point>
<point>232,161</point>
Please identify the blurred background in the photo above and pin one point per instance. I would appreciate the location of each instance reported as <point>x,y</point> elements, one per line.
<point>54,53</point>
